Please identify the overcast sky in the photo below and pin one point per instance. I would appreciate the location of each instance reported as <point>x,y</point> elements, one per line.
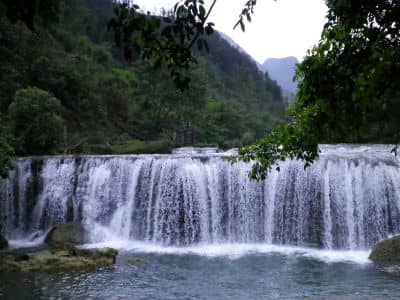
<point>279,28</point>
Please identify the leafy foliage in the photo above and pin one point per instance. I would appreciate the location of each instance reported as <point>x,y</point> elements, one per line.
<point>6,149</point>
<point>349,86</point>
<point>30,12</point>
<point>37,123</point>
<point>344,94</point>
<point>166,40</point>
<point>245,14</point>
<point>105,104</point>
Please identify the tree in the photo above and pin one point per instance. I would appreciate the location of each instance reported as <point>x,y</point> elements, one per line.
<point>349,83</point>
<point>6,149</point>
<point>158,105</point>
<point>344,88</point>
<point>344,94</point>
<point>37,124</point>
<point>166,40</point>
<point>32,11</point>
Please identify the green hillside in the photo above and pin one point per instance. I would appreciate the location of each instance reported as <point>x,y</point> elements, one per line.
<point>67,89</point>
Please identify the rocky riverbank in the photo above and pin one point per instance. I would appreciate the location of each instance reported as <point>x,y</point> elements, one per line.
<point>61,253</point>
<point>46,260</point>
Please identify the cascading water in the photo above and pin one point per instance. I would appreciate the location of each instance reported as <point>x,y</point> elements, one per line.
<point>348,199</point>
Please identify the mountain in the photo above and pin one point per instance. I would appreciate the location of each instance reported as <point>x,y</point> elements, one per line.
<point>231,42</point>
<point>238,47</point>
<point>282,70</point>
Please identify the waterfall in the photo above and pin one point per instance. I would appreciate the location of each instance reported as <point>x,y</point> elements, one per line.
<point>348,199</point>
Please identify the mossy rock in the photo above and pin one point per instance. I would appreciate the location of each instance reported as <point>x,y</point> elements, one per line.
<point>53,261</point>
<point>65,236</point>
<point>386,251</point>
<point>3,242</point>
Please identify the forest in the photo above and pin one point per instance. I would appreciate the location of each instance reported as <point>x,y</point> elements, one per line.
<point>89,96</point>
<point>66,88</point>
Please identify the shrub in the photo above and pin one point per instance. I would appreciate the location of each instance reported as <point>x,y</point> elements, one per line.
<point>37,123</point>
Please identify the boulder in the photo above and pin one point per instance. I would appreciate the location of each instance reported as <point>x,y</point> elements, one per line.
<point>386,251</point>
<point>3,242</point>
<point>65,236</point>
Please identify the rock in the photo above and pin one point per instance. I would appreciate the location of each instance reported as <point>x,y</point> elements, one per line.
<point>62,253</point>
<point>8,261</point>
<point>106,253</point>
<point>64,236</point>
<point>52,261</point>
<point>386,251</point>
<point>63,249</point>
<point>109,253</point>
<point>3,242</point>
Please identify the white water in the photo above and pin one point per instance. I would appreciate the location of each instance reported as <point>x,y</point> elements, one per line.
<point>198,202</point>
<point>235,251</point>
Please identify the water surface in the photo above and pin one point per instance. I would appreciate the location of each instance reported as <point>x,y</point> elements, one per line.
<point>214,272</point>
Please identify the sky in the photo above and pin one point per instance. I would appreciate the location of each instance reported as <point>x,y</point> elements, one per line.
<point>278,29</point>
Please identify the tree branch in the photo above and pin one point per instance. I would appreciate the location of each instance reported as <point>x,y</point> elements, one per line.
<point>203,23</point>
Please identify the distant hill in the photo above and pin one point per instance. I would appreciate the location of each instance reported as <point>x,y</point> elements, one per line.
<point>282,70</point>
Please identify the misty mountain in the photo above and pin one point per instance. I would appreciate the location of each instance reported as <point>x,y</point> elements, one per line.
<point>282,70</point>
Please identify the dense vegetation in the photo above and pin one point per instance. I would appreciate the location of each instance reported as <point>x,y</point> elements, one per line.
<point>65,88</point>
<point>349,90</point>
